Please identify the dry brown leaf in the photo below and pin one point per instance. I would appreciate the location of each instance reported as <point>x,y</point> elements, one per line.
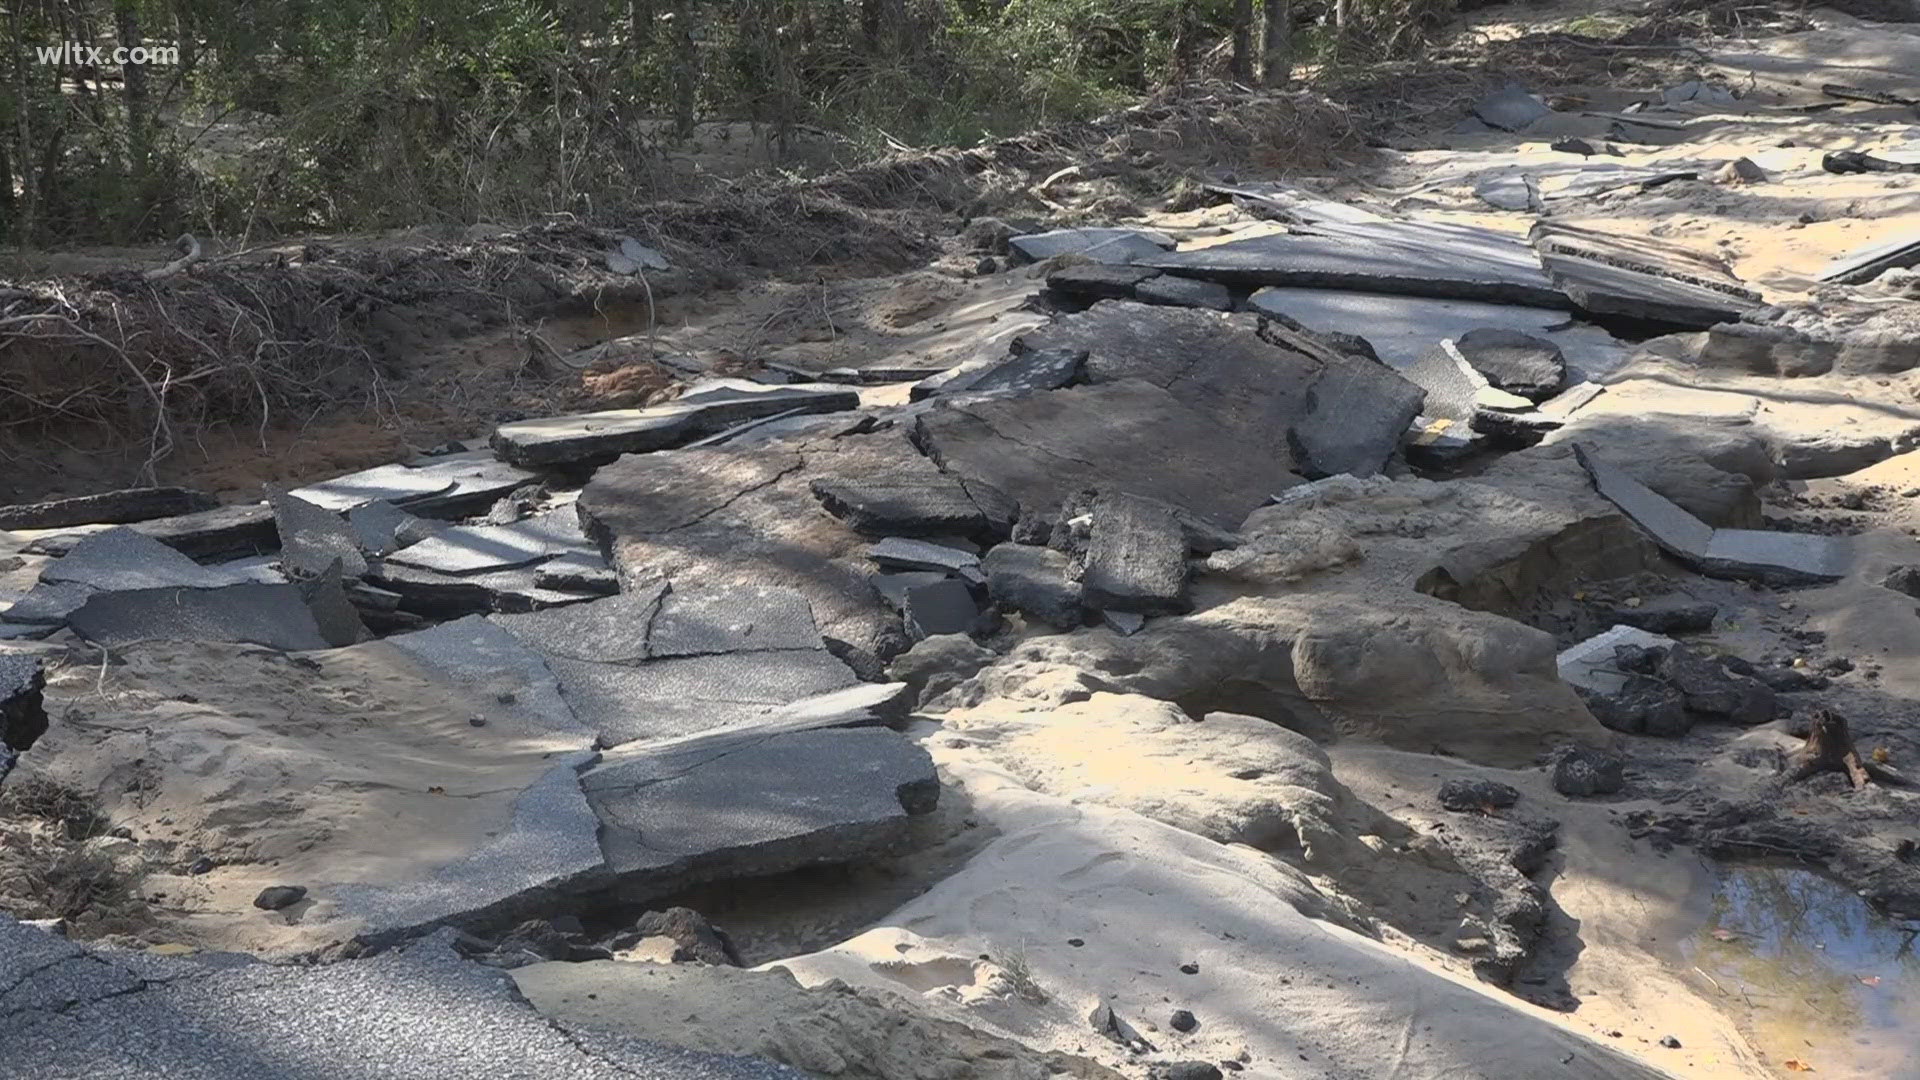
<point>1796,1065</point>
<point>1723,934</point>
<point>1870,980</point>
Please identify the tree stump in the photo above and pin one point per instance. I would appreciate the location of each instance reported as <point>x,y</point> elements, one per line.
<point>1829,748</point>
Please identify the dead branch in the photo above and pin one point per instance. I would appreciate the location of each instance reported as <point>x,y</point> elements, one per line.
<point>191,249</point>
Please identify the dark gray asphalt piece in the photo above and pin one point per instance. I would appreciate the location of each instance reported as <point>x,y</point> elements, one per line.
<point>276,616</point>
<point>1516,362</point>
<point>1419,258</point>
<point>396,484</point>
<point>1137,558</point>
<point>904,554</point>
<point>747,803</point>
<point>1737,553</point>
<point>1511,108</point>
<point>915,505</point>
<point>732,618</point>
<point>106,508</point>
<point>612,630</point>
<point>1102,245</point>
<point>419,1013</point>
<point>313,538</point>
<point>1863,265</point>
<point>479,655</point>
<point>49,603</point>
<point>1095,281</point>
<point>1356,413</point>
<point>1184,292</point>
<point>124,559</point>
<point>943,607</point>
<point>685,695</point>
<point>376,525</point>
<point>602,436</point>
<point>1020,371</point>
<point>546,852</point>
<point>467,549</point>
<point>1033,581</point>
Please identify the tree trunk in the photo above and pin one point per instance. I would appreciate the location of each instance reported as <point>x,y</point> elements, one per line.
<point>686,69</point>
<point>1276,65</point>
<point>872,17</point>
<point>134,86</point>
<point>639,26</point>
<point>1342,16</point>
<point>1243,40</point>
<point>26,223</point>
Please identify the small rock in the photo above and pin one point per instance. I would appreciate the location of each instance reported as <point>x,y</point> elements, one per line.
<point>1459,794</point>
<point>1581,771</point>
<point>1182,1021</point>
<point>276,897</point>
<point>987,265</point>
<point>1669,1042</point>
<point>201,865</point>
<point>1188,1070</point>
<point>1904,579</point>
<point>1189,969</point>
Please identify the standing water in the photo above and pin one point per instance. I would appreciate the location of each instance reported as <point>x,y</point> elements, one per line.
<point>1823,983</point>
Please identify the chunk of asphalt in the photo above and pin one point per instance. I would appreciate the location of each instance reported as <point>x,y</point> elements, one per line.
<point>1590,664</point>
<point>107,508</point>
<point>1355,415</point>
<point>751,804</point>
<point>587,438</point>
<point>732,618</point>
<point>276,616</point>
<point>1095,281</point>
<point>121,558</point>
<point>1020,371</point>
<point>1101,245</point>
<point>943,607</point>
<point>1136,558</point>
<point>1511,108</point>
<point>611,630</point>
<point>1516,362</point>
<point>909,554</point>
<point>466,549</point>
<point>929,505</point>
<point>547,852</point>
<point>1176,291</point>
<point>1034,582</point>
<point>312,538</point>
<point>683,695</point>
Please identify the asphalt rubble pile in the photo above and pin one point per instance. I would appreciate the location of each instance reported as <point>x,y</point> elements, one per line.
<point>1352,476</point>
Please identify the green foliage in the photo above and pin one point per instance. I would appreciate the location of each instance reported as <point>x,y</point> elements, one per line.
<point>370,113</point>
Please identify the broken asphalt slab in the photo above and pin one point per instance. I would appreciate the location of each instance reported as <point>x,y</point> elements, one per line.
<point>545,853</point>
<point>1402,329</point>
<point>1735,553</point>
<point>1129,435</point>
<point>1136,559</point>
<point>23,714</point>
<point>1022,370</point>
<point>1100,245</point>
<point>586,438</point>
<point>107,508</point>
<point>72,1011</point>
<point>1511,108</point>
<point>1641,278</point>
<point>1249,373</point>
<point>277,616</point>
<point>751,804</point>
<point>467,549</point>
<point>1420,258</point>
<point>683,695</point>
<point>1854,268</point>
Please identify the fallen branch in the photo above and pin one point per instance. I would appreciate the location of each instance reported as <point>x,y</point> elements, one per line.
<point>186,244</point>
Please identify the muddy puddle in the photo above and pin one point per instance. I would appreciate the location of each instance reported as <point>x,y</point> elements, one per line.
<point>1824,984</point>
